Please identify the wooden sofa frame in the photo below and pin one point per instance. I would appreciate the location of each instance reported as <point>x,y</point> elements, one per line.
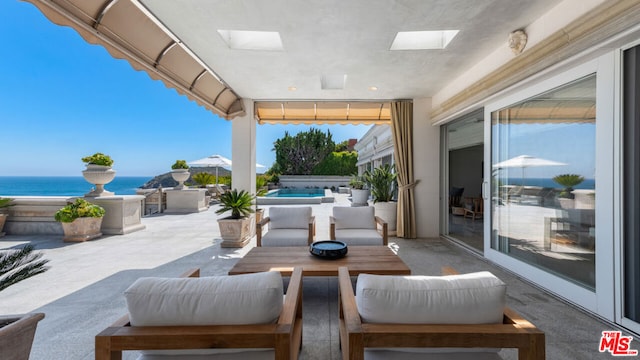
<point>355,335</point>
<point>284,336</point>
<point>262,224</point>
<point>381,227</point>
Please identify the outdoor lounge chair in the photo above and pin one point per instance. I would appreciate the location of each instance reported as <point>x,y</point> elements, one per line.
<point>219,317</point>
<point>357,226</point>
<point>431,317</point>
<point>288,226</point>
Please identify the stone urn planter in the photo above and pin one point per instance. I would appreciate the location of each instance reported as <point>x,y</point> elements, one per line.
<point>180,175</point>
<point>236,232</point>
<point>99,175</point>
<point>359,197</point>
<point>388,211</point>
<point>82,229</point>
<point>81,220</point>
<point>16,335</point>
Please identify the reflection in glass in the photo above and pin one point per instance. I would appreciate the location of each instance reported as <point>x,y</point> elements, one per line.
<point>543,181</point>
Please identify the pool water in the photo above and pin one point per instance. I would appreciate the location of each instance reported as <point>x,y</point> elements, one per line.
<point>284,193</point>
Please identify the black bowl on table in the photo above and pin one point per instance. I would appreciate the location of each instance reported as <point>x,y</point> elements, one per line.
<point>329,249</point>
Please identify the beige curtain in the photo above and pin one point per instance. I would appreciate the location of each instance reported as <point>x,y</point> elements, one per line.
<point>402,130</point>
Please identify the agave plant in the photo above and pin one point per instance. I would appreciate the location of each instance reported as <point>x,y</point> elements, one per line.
<point>382,182</point>
<point>568,181</point>
<point>240,203</point>
<point>17,265</point>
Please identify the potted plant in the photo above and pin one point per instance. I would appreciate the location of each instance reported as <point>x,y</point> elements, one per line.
<point>180,173</point>
<point>99,173</point>
<point>4,213</point>
<point>81,220</point>
<point>382,181</point>
<point>236,229</point>
<point>359,192</point>
<point>568,181</point>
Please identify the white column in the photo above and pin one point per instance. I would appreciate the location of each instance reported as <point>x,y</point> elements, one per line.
<point>426,167</point>
<point>243,148</point>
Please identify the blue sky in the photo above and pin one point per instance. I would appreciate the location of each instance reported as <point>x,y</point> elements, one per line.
<point>62,98</point>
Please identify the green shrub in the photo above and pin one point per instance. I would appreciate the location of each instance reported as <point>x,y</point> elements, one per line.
<point>98,159</point>
<point>382,181</point>
<point>203,179</point>
<point>239,203</point>
<point>179,164</point>
<point>338,163</point>
<point>79,208</point>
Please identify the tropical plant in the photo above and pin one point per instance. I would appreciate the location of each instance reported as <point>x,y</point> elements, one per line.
<point>261,185</point>
<point>17,265</point>
<point>203,178</point>
<point>179,164</point>
<point>98,159</point>
<point>382,182</point>
<point>568,181</point>
<point>356,182</point>
<point>5,202</point>
<point>77,209</point>
<point>240,203</point>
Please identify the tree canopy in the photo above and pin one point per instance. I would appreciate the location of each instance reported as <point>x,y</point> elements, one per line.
<point>300,154</point>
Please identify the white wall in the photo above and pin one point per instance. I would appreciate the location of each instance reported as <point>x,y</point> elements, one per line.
<point>426,165</point>
<point>243,150</point>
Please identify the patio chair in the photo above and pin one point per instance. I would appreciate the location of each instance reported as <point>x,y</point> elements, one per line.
<point>357,226</point>
<point>474,208</point>
<point>218,317</point>
<point>288,226</point>
<point>431,317</point>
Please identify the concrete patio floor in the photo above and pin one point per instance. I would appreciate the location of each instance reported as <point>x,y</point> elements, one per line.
<point>81,293</point>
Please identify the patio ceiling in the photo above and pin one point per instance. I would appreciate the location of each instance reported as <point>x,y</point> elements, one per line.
<point>335,63</point>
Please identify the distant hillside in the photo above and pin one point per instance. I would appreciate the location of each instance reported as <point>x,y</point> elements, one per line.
<point>167,181</point>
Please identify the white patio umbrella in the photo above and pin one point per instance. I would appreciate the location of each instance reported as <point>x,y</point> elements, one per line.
<point>215,160</point>
<point>525,161</point>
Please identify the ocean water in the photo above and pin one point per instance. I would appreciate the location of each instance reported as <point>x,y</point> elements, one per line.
<point>65,185</point>
<point>546,182</point>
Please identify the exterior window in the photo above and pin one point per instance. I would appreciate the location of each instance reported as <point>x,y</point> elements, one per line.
<point>543,181</point>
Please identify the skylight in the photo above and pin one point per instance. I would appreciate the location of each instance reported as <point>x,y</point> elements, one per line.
<point>423,40</point>
<point>252,40</point>
<point>333,81</point>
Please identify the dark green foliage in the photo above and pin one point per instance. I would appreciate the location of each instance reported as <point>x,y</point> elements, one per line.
<point>382,182</point>
<point>79,208</point>
<point>239,203</point>
<point>343,146</point>
<point>17,265</point>
<point>179,164</point>
<point>203,179</point>
<point>568,181</point>
<point>5,202</point>
<point>98,159</point>
<point>300,154</point>
<point>338,163</point>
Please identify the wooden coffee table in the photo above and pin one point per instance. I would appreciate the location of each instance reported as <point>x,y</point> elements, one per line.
<point>360,259</point>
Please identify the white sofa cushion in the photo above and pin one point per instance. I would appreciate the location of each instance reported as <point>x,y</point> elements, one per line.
<point>286,237</point>
<point>239,299</point>
<point>289,217</point>
<point>359,237</point>
<point>360,217</point>
<point>475,298</point>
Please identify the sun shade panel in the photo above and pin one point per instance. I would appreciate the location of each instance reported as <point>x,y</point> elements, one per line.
<point>129,33</point>
<point>322,112</point>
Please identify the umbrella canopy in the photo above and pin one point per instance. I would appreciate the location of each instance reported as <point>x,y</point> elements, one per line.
<point>216,161</point>
<point>525,161</point>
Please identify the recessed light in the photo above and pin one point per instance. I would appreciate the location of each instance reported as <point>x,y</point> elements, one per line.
<point>423,40</point>
<point>292,88</point>
<point>373,88</point>
<point>252,40</point>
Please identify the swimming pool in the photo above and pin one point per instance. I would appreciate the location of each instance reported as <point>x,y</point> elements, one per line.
<point>296,196</point>
<point>286,193</point>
